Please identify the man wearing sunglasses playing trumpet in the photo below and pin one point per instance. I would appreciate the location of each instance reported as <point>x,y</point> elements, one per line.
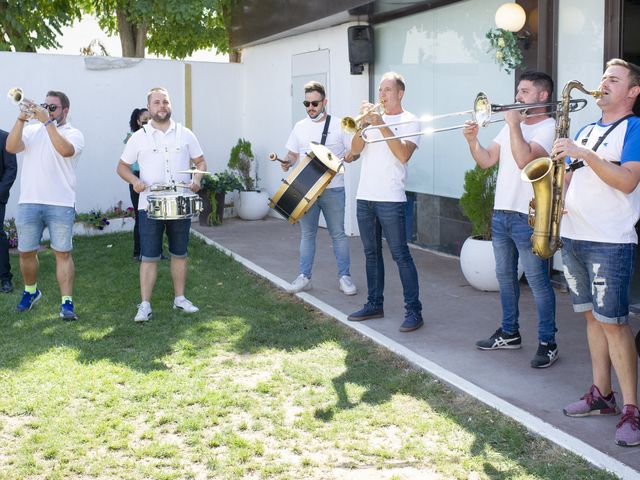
<point>319,127</point>
<point>47,194</point>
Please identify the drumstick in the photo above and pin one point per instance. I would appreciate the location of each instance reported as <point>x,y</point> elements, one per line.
<point>274,156</point>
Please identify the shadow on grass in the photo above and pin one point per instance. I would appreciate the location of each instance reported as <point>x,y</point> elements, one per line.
<point>246,314</point>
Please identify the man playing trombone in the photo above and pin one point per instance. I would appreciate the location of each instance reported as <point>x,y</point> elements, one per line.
<point>381,201</point>
<point>524,138</point>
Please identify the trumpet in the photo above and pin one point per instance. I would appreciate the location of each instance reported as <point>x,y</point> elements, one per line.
<point>481,114</point>
<point>351,125</point>
<point>16,96</point>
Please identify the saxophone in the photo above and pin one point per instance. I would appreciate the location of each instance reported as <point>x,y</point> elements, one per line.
<point>546,176</point>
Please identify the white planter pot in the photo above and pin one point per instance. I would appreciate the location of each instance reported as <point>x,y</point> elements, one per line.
<point>479,265</point>
<point>252,205</point>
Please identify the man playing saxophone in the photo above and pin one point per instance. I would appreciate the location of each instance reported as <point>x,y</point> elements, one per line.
<point>523,139</point>
<point>602,206</point>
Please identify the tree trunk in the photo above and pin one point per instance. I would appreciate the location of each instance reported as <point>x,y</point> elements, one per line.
<point>235,56</point>
<point>132,37</point>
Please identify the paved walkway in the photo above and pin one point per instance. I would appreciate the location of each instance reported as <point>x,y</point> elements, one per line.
<point>456,315</point>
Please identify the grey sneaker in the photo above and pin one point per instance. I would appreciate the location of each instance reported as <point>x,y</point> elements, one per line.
<point>628,429</point>
<point>592,403</point>
<point>500,340</point>
<point>144,312</point>
<point>300,284</point>
<point>346,285</point>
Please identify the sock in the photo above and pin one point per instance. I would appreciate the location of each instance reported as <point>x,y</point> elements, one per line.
<point>67,297</point>
<point>179,298</point>
<point>31,288</point>
<point>145,303</point>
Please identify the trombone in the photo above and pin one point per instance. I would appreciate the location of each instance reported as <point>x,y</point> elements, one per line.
<point>481,114</point>
<point>351,125</point>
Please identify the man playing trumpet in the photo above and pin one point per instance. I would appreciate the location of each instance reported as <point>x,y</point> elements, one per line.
<point>381,201</point>
<point>47,194</point>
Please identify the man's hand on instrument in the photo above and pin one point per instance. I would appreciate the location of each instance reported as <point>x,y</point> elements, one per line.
<point>470,131</point>
<point>285,165</point>
<point>514,117</point>
<point>42,114</point>
<point>139,186</point>
<point>565,147</point>
<point>195,186</point>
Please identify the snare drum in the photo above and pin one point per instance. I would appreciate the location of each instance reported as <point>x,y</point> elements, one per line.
<point>173,206</point>
<point>305,184</point>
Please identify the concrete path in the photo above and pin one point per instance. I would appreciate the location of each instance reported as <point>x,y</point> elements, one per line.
<point>456,315</point>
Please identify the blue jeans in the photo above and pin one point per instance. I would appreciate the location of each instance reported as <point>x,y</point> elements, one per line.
<point>599,278</point>
<point>373,219</point>
<point>152,231</point>
<point>331,202</point>
<point>511,238</point>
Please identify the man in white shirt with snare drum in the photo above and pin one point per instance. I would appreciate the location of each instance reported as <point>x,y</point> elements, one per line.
<point>162,148</point>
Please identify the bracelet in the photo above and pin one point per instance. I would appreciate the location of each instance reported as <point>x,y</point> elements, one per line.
<point>48,122</point>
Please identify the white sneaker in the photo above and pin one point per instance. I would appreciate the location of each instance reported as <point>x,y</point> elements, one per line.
<point>346,285</point>
<point>185,305</point>
<point>300,284</point>
<point>144,312</point>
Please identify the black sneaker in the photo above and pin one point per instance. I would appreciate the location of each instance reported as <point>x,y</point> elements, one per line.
<point>545,356</point>
<point>500,340</point>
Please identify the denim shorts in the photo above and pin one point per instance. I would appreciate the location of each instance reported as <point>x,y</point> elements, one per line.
<point>32,218</point>
<point>152,231</point>
<point>599,278</point>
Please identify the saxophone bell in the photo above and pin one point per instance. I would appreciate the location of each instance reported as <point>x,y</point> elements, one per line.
<point>546,176</point>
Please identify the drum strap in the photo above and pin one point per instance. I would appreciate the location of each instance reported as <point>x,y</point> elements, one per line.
<point>325,132</point>
<point>166,150</point>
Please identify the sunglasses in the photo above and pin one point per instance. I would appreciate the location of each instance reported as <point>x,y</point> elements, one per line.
<point>51,108</point>
<point>315,103</point>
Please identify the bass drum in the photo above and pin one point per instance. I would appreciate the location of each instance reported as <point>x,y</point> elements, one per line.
<point>173,206</point>
<point>306,183</point>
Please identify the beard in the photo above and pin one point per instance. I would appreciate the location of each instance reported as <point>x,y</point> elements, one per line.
<point>160,117</point>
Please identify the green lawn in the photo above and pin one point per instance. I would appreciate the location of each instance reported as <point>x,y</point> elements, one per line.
<point>256,385</point>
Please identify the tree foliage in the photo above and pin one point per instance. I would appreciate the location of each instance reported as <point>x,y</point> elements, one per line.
<point>26,25</point>
<point>173,28</point>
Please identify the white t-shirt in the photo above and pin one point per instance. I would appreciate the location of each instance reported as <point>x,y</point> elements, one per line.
<point>597,212</point>
<point>150,147</point>
<point>382,176</point>
<point>47,177</point>
<point>512,193</point>
<point>306,131</point>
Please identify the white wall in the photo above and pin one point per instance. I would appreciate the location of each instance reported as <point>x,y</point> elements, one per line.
<point>442,54</point>
<point>102,100</point>
<point>580,52</point>
<point>267,117</point>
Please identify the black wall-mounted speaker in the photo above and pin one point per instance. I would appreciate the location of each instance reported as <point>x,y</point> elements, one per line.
<point>360,44</point>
